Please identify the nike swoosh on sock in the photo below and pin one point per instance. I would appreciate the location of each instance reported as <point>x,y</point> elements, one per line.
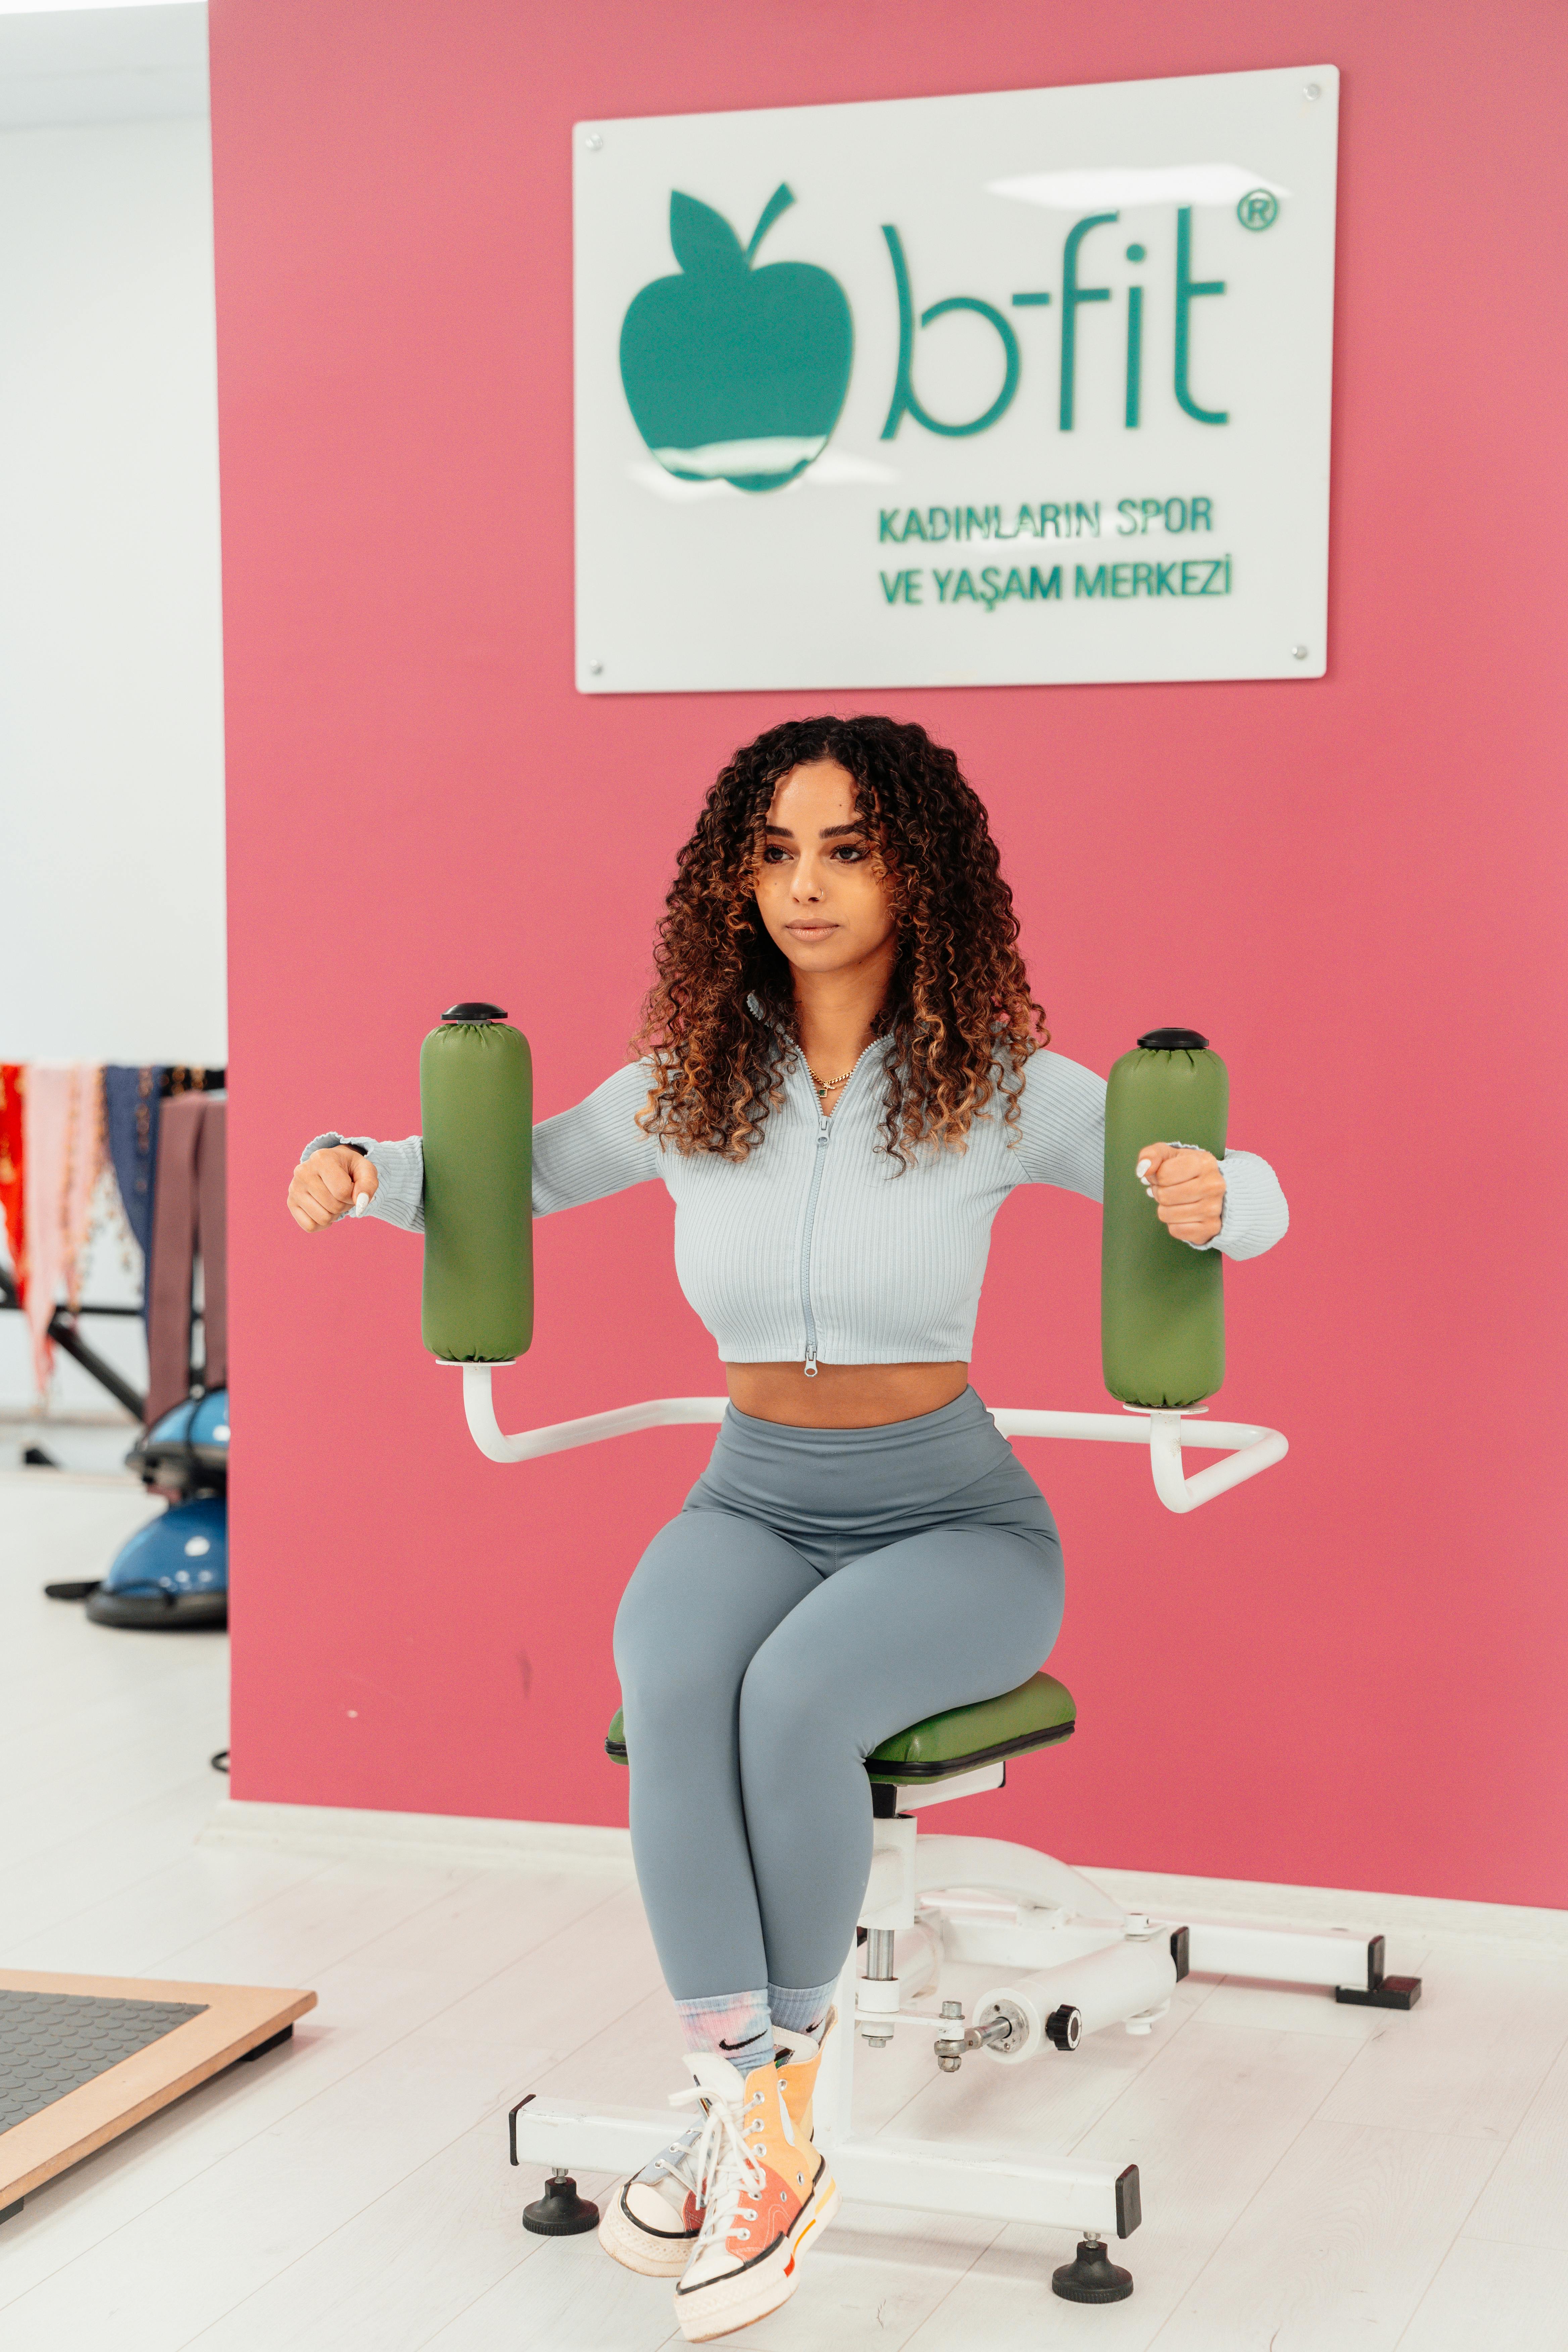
<point>746,2045</point>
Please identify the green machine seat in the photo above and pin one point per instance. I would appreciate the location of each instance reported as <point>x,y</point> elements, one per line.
<point>1038,1714</point>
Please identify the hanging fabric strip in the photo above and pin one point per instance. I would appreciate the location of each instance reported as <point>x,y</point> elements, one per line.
<point>173,1252</point>
<point>212,1224</point>
<point>85,1142</point>
<point>13,1161</point>
<point>189,1212</point>
<point>62,1145</point>
<point>132,1104</point>
<point>46,1116</point>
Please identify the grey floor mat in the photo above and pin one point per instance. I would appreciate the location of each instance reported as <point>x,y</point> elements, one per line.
<point>52,2042</point>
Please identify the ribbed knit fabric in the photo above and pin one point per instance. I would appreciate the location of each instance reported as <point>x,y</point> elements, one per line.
<point>802,2009</point>
<point>817,1245</point>
<point>736,2023</point>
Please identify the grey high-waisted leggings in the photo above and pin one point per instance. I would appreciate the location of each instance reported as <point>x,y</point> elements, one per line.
<point>821,1589</point>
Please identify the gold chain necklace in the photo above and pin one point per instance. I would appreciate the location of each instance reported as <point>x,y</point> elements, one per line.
<point>826,1086</point>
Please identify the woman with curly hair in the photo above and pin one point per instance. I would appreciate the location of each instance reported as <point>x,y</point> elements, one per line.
<point>840,1076</point>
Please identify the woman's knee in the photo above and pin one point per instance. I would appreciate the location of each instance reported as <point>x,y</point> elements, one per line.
<point>680,1654</point>
<point>670,1673</point>
<point>793,1706</point>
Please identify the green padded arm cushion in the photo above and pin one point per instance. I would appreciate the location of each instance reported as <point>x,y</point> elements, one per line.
<point>1162,1313</point>
<point>475,1097</point>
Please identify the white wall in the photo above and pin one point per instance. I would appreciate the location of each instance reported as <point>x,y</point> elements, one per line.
<point>111,867</point>
<point>111,940</point>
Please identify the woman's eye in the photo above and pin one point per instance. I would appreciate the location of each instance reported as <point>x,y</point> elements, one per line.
<point>773,853</point>
<point>851,853</point>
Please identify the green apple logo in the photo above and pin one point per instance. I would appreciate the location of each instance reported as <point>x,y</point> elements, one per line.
<point>734,374</point>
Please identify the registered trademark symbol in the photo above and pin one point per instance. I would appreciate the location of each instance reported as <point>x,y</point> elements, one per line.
<point>1258,209</point>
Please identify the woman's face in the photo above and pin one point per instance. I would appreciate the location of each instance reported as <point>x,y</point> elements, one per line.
<point>822,890</point>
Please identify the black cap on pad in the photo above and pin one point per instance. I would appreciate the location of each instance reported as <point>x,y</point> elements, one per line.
<point>1153,1041</point>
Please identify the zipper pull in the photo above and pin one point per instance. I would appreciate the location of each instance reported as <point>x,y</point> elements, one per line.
<point>811,1363</point>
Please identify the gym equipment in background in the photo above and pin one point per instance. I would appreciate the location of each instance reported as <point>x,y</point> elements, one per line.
<point>171,1576</point>
<point>1069,1960</point>
<point>186,1452</point>
<point>82,2059</point>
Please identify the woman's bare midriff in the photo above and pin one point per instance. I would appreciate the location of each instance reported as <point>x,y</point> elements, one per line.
<point>844,1396</point>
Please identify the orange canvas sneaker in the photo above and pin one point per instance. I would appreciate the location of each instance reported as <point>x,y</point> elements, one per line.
<point>650,2222</point>
<point>767,2190</point>
<point>798,2059</point>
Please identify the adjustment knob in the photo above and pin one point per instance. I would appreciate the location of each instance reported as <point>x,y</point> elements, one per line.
<point>1064,2027</point>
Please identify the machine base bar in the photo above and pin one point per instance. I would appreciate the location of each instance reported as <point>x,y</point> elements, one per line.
<point>987,2183</point>
<point>924,2176</point>
<point>1331,1957</point>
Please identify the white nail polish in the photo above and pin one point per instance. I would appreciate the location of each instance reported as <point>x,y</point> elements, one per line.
<point>1143,1168</point>
<point>362,1205</point>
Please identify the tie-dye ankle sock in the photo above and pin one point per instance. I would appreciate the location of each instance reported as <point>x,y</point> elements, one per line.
<point>736,2023</point>
<point>802,2009</point>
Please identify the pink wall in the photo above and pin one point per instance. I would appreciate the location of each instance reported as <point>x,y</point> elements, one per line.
<point>1350,1673</point>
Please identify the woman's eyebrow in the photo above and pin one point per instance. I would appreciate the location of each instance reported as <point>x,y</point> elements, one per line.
<point>828,831</point>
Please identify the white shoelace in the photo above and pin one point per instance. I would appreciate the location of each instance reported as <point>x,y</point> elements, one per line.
<point>727,2168</point>
<point>677,2159</point>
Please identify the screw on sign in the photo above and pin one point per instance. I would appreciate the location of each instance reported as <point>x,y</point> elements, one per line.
<point>1259,208</point>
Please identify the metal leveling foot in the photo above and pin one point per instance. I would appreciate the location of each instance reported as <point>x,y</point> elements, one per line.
<point>1091,2276</point>
<point>560,2212</point>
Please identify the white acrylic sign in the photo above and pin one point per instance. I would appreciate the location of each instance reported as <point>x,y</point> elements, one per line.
<point>1015,389</point>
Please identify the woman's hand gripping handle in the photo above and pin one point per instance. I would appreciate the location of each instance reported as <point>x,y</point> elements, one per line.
<point>1187,1188</point>
<point>333,1182</point>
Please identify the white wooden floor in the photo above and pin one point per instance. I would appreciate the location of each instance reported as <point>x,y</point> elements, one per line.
<point>1313,2176</point>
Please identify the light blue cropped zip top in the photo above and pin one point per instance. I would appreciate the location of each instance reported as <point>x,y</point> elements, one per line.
<point>815,1245</point>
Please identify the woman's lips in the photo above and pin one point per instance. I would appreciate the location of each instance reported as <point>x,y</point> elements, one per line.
<point>811,931</point>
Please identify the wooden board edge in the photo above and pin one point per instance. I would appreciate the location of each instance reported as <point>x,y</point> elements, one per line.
<point>81,2112</point>
<point>139,1988</point>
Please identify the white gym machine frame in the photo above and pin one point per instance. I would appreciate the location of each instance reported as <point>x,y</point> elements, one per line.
<point>1069,1960</point>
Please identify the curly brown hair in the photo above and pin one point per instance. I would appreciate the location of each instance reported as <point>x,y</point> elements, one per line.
<point>719,1021</point>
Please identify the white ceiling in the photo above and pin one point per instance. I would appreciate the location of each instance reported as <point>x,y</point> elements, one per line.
<point>102,64</point>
